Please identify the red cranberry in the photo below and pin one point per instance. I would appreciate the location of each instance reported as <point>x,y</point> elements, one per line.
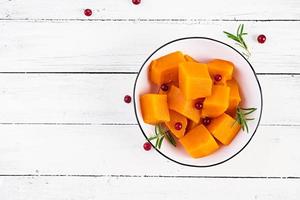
<point>127,99</point>
<point>218,77</point>
<point>147,146</point>
<point>164,87</point>
<point>261,38</point>
<point>88,12</point>
<point>136,2</point>
<point>199,105</point>
<point>206,121</point>
<point>178,126</point>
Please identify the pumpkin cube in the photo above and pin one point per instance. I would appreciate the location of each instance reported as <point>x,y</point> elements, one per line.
<point>194,80</point>
<point>198,142</point>
<point>216,104</point>
<point>186,107</point>
<point>224,128</point>
<point>234,97</point>
<point>175,117</point>
<point>189,58</point>
<point>154,108</point>
<point>221,67</point>
<point>165,68</point>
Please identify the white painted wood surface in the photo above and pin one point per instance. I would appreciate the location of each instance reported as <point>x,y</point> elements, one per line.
<point>27,46</point>
<point>65,132</point>
<point>151,9</point>
<point>62,188</point>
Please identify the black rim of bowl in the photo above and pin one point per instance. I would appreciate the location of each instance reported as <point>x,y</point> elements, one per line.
<point>135,109</point>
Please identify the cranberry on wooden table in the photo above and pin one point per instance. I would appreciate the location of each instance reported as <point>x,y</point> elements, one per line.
<point>261,38</point>
<point>136,2</point>
<point>127,99</point>
<point>88,12</point>
<point>147,146</point>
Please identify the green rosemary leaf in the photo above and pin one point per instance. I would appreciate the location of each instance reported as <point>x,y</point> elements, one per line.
<point>241,114</point>
<point>152,138</point>
<point>249,112</point>
<point>156,143</point>
<point>247,108</point>
<point>238,30</point>
<point>243,42</point>
<point>231,36</point>
<point>157,130</point>
<point>160,141</point>
<point>160,133</point>
<point>246,125</point>
<point>170,138</point>
<point>239,39</point>
<point>242,29</point>
<point>249,119</point>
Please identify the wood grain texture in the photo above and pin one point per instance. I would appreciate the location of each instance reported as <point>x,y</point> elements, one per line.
<point>98,98</point>
<point>66,134</point>
<point>67,188</point>
<point>155,9</point>
<point>113,46</point>
<point>97,151</point>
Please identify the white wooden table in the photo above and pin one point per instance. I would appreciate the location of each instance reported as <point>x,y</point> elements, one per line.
<point>65,132</point>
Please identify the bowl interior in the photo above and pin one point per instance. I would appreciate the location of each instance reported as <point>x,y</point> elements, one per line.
<point>204,49</point>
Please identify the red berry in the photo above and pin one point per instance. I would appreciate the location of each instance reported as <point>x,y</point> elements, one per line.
<point>218,77</point>
<point>136,2</point>
<point>178,126</point>
<point>199,105</point>
<point>88,12</point>
<point>261,38</point>
<point>147,146</point>
<point>127,99</point>
<point>164,87</point>
<point>206,121</point>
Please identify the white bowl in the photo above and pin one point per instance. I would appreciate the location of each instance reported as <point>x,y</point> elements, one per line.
<point>204,49</point>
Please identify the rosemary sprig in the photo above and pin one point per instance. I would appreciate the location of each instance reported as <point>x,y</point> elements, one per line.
<point>239,39</point>
<point>160,133</point>
<point>241,117</point>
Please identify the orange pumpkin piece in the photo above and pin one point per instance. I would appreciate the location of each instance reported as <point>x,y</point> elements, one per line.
<point>154,108</point>
<point>234,97</point>
<point>186,107</point>
<point>191,124</point>
<point>194,80</point>
<point>216,104</point>
<point>221,67</point>
<point>189,58</point>
<point>224,128</point>
<point>198,142</point>
<point>165,68</point>
<point>174,118</point>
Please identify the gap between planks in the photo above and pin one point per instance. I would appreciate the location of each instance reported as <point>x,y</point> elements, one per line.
<point>147,20</point>
<point>147,176</point>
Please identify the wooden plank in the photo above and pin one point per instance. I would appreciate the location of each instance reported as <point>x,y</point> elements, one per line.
<point>214,9</point>
<point>75,188</point>
<point>124,46</point>
<point>99,150</point>
<point>98,98</point>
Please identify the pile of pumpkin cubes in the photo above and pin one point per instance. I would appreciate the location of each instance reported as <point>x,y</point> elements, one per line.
<point>190,82</point>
